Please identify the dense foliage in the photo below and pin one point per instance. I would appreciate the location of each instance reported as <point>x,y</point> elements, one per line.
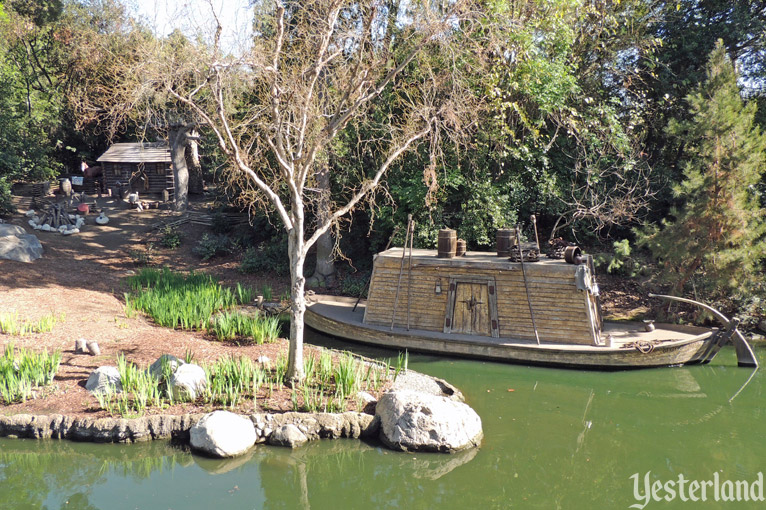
<point>595,116</point>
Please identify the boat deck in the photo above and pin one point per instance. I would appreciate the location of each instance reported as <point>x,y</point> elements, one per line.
<point>624,335</point>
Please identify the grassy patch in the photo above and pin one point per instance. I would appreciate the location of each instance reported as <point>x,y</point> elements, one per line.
<point>197,301</point>
<point>21,371</point>
<point>13,324</point>
<point>238,383</point>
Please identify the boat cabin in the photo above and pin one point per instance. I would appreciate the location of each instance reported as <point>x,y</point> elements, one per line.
<point>482,294</point>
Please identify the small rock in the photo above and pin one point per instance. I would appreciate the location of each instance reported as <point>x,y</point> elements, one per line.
<point>412,421</point>
<point>222,434</point>
<point>288,435</point>
<point>102,377</point>
<point>80,346</point>
<point>187,381</point>
<point>93,348</point>
<point>263,360</point>
<point>156,368</point>
<point>366,397</point>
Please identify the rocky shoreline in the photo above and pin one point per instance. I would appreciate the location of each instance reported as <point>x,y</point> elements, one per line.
<point>148,428</point>
<point>420,413</point>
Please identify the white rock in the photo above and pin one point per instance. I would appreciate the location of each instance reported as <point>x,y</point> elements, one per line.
<point>32,223</point>
<point>30,213</point>
<point>156,368</point>
<point>47,228</point>
<point>101,377</point>
<point>366,397</point>
<point>263,360</point>
<point>421,422</point>
<point>74,231</point>
<point>222,434</point>
<point>102,219</point>
<point>187,381</point>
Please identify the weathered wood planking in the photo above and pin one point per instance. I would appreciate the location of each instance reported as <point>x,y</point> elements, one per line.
<point>675,345</point>
<point>561,311</point>
<point>145,167</point>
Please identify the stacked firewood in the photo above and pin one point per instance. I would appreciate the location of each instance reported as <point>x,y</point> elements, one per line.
<point>56,218</point>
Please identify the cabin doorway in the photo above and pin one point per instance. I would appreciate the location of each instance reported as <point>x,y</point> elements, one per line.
<point>472,307</point>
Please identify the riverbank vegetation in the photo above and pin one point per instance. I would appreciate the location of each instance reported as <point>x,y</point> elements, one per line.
<point>196,301</point>
<point>333,383</point>
<point>24,372</point>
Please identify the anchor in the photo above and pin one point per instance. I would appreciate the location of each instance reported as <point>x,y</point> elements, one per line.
<point>730,333</point>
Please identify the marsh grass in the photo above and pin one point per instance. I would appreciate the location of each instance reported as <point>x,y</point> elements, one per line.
<point>13,324</point>
<point>22,371</point>
<point>197,301</point>
<point>332,384</point>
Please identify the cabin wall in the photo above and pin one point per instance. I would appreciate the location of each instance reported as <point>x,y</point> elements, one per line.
<point>560,310</point>
<point>426,307</point>
<point>152,178</point>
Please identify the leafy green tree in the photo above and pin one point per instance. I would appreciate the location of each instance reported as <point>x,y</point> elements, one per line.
<point>718,230</point>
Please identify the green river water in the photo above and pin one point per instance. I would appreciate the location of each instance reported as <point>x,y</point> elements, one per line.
<point>552,439</point>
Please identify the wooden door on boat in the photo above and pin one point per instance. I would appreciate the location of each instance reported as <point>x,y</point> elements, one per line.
<point>472,307</point>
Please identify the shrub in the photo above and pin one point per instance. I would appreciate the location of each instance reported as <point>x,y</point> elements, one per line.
<point>220,223</point>
<point>6,204</point>
<point>213,245</point>
<point>268,257</point>
<point>170,237</point>
<point>355,286</point>
<point>142,257</point>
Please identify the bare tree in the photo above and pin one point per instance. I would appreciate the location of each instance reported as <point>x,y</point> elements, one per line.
<point>314,70</point>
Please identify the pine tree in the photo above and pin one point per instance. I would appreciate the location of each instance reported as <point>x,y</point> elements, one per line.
<point>718,230</point>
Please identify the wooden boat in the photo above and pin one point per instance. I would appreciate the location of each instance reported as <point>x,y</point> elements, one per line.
<point>484,306</point>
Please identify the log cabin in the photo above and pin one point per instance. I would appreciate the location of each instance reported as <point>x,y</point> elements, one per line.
<point>143,167</point>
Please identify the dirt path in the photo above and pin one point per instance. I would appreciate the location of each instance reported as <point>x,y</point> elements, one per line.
<point>81,277</point>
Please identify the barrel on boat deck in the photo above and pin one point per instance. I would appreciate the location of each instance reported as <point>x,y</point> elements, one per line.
<point>447,243</point>
<point>461,247</point>
<point>505,239</point>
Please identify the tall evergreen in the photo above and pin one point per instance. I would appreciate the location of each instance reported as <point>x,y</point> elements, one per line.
<point>717,231</point>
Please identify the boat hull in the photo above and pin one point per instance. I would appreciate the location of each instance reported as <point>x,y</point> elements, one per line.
<point>632,348</point>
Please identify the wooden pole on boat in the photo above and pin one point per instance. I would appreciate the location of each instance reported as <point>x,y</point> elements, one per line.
<point>409,273</point>
<point>401,270</point>
<point>537,240</point>
<point>526,284</point>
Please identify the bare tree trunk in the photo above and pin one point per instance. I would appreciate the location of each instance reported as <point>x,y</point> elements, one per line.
<point>178,138</point>
<point>324,271</point>
<point>295,249</point>
<point>196,183</point>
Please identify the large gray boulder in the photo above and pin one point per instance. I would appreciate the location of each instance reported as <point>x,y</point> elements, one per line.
<point>413,421</point>
<point>16,244</point>
<point>188,381</point>
<point>102,377</point>
<point>288,435</point>
<point>222,434</point>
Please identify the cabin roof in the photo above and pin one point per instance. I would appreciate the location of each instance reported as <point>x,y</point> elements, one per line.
<point>142,152</point>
